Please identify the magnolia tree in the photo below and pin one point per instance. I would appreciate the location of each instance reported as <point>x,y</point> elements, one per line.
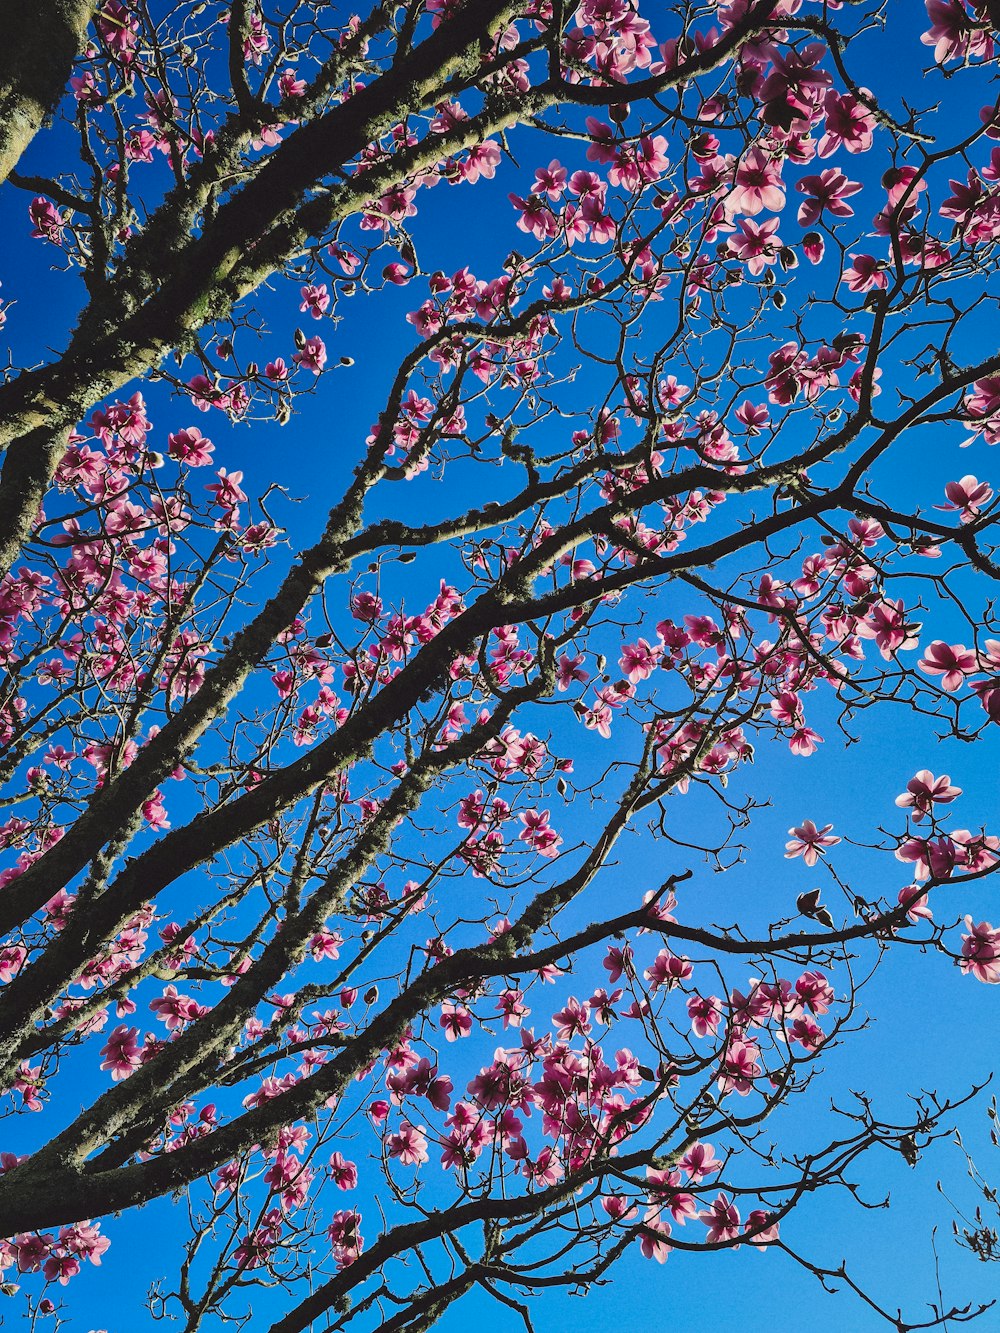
<point>313,901</point>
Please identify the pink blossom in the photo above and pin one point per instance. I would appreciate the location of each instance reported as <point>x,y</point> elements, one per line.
<point>740,1067</point>
<point>764,1229</point>
<point>343,1172</point>
<point>951,33</point>
<point>864,274</point>
<point>456,1020</point>
<point>312,356</point>
<point>814,246</point>
<point>953,662</point>
<point>190,446</point>
<point>47,222</point>
<point>848,124</point>
<point>758,185</point>
<point>667,970</point>
<point>550,180</point>
<point>756,245</point>
<point>653,1237</point>
<point>705,1013</point>
<point>409,1145</point>
<point>639,660</point>
<point>827,193</point>
<point>809,842</point>
<point>122,1053</point>
<point>316,300</point>
<point>981,952</point>
<point>699,1162</point>
<point>924,791</point>
<point>914,899</point>
<point>969,496</point>
<point>569,670</point>
<point>722,1220</point>
<point>30,1251</point>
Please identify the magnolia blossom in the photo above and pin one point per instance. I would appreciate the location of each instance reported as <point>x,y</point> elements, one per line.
<point>826,192</point>
<point>722,1220</point>
<point>699,1162</point>
<point>809,842</point>
<point>981,952</point>
<point>758,185</point>
<point>122,1053</point>
<point>968,496</point>
<point>953,662</point>
<point>757,245</point>
<point>924,791</point>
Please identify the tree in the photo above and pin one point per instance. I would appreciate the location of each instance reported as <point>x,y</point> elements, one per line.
<point>300,828</point>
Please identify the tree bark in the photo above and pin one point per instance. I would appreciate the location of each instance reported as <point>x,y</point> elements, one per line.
<point>36,56</point>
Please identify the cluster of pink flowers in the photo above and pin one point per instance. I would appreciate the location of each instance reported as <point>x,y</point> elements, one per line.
<point>59,1258</point>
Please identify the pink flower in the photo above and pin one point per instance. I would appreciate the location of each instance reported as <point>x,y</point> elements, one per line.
<point>639,660</point>
<point>935,857</point>
<point>546,1169</point>
<point>617,1207</point>
<point>569,670</point>
<point>981,952</point>
<point>827,192</point>
<point>155,812</point>
<point>953,662</point>
<point>848,123</point>
<point>809,842</point>
<point>618,961</point>
<point>765,1231</point>
<point>46,221</point>
<point>122,1054</point>
<point>914,899</point>
<point>700,1161</point>
<point>865,273</point>
<point>535,217</point>
<point>758,185</point>
<point>924,790</point>
<point>739,1068</point>
<point>550,180</point>
<point>814,991</point>
<point>667,970</point>
<point>289,85</point>
<point>315,299</point>
<point>409,1145</point>
<point>951,33</point>
<point>312,356</point>
<point>538,834</point>
<point>969,496</point>
<point>887,625</point>
<point>346,1241</point>
<point>174,1009</point>
<point>653,1237</point>
<point>190,446</point>
<point>722,1220</point>
<point>705,1013</point>
<point>456,1020</point>
<point>813,246</point>
<point>756,245</point>
<point>344,1173</point>
<point>804,741</point>
<point>30,1251</point>
<point>11,961</point>
<point>806,1032</point>
<point>572,1021</point>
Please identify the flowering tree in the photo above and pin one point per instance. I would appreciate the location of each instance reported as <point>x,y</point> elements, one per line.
<point>311,890</point>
